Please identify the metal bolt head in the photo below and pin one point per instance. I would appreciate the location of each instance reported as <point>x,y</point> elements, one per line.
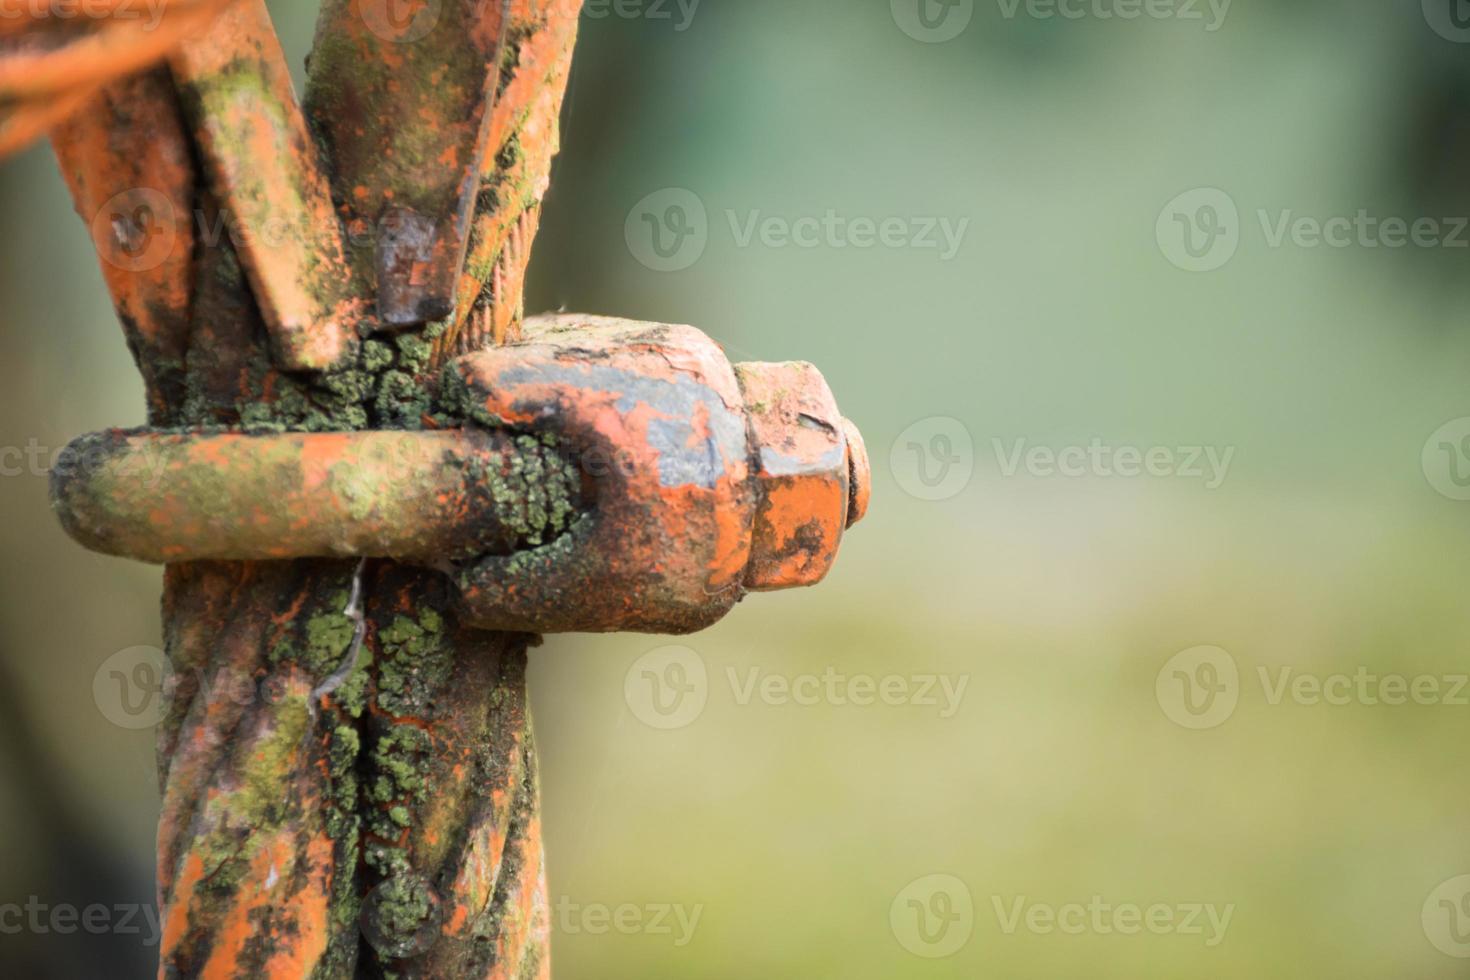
<point>813,474</point>
<point>859,474</point>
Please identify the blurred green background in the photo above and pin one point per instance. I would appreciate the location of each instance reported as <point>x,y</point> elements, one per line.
<point>833,839</point>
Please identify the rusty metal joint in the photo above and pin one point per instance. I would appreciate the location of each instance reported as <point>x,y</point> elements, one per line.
<point>608,475</point>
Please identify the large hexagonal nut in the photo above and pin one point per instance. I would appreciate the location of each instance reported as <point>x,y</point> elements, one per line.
<point>813,474</point>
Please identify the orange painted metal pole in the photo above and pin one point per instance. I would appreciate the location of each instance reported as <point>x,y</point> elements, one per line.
<point>129,164</point>
<point>349,779</point>
<point>263,167</point>
<point>423,497</point>
<point>407,139</point>
<point>51,67</point>
<point>468,854</point>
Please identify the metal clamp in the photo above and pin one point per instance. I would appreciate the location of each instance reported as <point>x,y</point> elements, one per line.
<point>610,476</point>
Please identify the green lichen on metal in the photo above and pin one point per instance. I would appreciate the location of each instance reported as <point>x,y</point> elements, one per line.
<point>382,388</point>
<point>403,917</point>
<point>533,492</point>
<point>342,754</point>
<point>256,800</point>
<point>400,764</point>
<point>415,662</point>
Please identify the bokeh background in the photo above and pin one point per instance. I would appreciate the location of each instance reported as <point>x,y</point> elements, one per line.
<point>833,839</point>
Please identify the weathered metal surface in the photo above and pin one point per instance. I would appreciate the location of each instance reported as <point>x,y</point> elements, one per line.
<point>127,160</point>
<point>705,480</point>
<point>700,490</point>
<point>654,412</point>
<point>263,168</point>
<point>800,446</point>
<point>347,754</point>
<point>415,761</point>
<point>53,62</point>
<point>401,104</point>
<point>426,497</point>
<point>860,474</point>
<point>520,142</point>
